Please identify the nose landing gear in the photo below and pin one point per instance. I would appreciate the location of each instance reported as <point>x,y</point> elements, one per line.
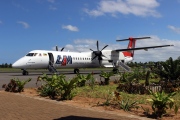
<point>76,71</point>
<point>25,72</point>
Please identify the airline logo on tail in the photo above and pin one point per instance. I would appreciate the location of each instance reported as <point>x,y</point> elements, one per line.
<point>129,52</point>
<point>131,44</point>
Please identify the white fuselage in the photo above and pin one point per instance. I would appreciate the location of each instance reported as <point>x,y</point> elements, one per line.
<point>40,59</point>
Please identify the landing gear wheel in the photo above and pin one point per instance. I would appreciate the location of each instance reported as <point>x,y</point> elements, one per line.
<point>115,70</point>
<point>76,71</point>
<point>25,72</point>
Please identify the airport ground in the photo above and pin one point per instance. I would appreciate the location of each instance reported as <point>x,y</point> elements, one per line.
<point>15,106</point>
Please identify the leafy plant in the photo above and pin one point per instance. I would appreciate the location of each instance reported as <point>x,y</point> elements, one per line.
<point>161,102</point>
<point>106,76</point>
<point>82,79</point>
<point>66,87</point>
<point>21,84</point>
<point>52,86</point>
<point>127,105</point>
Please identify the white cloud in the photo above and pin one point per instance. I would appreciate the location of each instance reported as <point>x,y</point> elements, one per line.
<point>71,28</point>
<point>51,1</point>
<point>85,41</point>
<point>52,7</point>
<point>135,7</point>
<point>175,29</point>
<point>157,54</point>
<point>25,25</point>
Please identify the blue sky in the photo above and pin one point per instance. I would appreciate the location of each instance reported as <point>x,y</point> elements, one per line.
<point>27,25</point>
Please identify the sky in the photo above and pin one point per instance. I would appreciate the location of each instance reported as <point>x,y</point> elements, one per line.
<point>27,25</point>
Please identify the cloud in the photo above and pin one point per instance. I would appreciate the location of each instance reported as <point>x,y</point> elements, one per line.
<point>135,7</point>
<point>157,54</point>
<point>175,29</point>
<point>1,22</point>
<point>25,25</point>
<point>71,28</point>
<point>51,1</point>
<point>52,7</point>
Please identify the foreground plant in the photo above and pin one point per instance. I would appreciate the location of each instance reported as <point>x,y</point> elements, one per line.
<point>57,86</point>
<point>20,84</point>
<point>127,105</point>
<point>161,102</point>
<point>106,76</point>
<point>16,85</point>
<point>83,78</point>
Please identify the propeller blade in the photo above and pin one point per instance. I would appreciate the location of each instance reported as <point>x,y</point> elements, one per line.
<point>100,62</point>
<point>99,58</point>
<point>104,47</point>
<point>104,56</point>
<point>92,50</point>
<point>97,45</point>
<point>94,57</point>
<point>56,48</point>
<point>62,49</point>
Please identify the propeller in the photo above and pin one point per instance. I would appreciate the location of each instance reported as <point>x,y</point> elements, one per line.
<point>57,48</point>
<point>62,49</point>
<point>98,53</point>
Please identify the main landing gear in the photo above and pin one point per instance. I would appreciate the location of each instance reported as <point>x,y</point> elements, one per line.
<point>115,70</point>
<point>76,71</point>
<point>25,72</point>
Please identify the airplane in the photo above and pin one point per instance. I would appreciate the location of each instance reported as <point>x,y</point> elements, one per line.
<point>52,60</point>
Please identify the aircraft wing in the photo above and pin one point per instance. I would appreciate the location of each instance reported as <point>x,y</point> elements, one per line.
<point>143,48</point>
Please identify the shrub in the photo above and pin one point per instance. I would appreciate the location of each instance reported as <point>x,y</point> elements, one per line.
<point>161,102</point>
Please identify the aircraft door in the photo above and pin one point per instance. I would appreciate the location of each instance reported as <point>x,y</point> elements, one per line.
<point>51,59</point>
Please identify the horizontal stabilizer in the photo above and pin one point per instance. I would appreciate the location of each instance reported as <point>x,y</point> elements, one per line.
<point>143,48</point>
<point>133,38</point>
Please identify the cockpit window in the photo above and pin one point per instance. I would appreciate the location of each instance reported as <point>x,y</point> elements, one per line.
<point>30,54</point>
<point>35,54</point>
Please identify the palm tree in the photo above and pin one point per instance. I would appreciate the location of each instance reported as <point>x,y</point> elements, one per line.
<point>170,70</point>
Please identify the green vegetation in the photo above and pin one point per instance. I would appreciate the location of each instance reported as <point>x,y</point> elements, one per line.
<point>161,102</point>
<point>20,84</point>
<point>16,85</point>
<point>106,76</point>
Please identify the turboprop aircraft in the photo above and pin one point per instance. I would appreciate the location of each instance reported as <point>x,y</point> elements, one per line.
<point>52,60</point>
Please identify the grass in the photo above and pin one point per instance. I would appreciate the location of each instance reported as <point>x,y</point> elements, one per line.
<point>104,91</point>
<point>97,92</point>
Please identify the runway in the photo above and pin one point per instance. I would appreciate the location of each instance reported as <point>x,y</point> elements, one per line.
<point>5,77</point>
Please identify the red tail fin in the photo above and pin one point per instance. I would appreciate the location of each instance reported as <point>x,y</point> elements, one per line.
<point>131,44</point>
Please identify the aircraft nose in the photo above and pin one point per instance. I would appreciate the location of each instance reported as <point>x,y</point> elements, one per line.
<point>18,63</point>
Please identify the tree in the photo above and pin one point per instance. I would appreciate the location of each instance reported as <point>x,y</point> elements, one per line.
<point>169,70</point>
